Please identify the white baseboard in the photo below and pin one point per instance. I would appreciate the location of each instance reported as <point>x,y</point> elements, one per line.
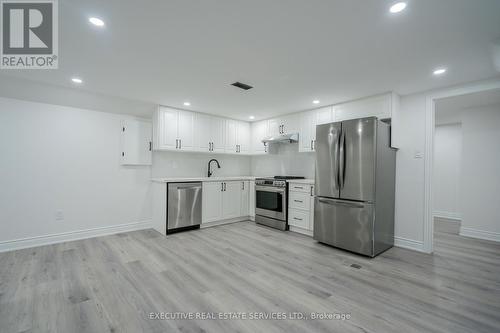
<point>301,231</point>
<point>409,244</point>
<point>480,234</point>
<point>448,216</point>
<point>28,242</point>
<point>221,222</point>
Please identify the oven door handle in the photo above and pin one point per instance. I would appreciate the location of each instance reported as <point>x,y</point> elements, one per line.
<point>270,189</point>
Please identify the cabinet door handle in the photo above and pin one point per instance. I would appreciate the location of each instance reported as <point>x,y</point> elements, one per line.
<point>312,189</point>
<point>298,187</point>
<point>176,143</point>
<point>180,144</point>
<point>314,144</point>
<point>150,145</point>
<point>242,185</point>
<point>298,200</point>
<point>225,187</point>
<point>311,144</point>
<point>221,187</point>
<point>296,218</point>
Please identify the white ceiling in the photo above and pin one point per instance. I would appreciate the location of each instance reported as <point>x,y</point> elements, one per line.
<point>449,110</point>
<point>291,51</point>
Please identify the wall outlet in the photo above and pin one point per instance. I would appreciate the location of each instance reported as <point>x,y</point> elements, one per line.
<point>59,215</point>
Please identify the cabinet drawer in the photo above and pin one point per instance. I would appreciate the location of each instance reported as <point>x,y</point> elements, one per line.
<point>297,187</point>
<point>299,200</point>
<point>298,218</point>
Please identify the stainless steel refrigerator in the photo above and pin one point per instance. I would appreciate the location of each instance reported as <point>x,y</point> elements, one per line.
<point>355,184</point>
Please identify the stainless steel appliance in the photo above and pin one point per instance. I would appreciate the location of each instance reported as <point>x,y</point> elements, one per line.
<point>183,206</point>
<point>355,181</point>
<point>271,201</point>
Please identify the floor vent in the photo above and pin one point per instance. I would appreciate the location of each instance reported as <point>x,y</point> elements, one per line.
<point>356,266</point>
<point>241,85</point>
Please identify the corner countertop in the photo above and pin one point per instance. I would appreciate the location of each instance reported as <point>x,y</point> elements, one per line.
<point>308,181</point>
<point>201,179</point>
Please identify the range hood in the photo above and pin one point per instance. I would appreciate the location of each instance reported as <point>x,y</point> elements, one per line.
<point>282,138</point>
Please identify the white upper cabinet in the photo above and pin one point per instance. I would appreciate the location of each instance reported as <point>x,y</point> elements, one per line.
<point>283,125</point>
<point>209,133</point>
<point>243,141</point>
<point>324,115</point>
<point>307,131</point>
<point>259,130</point>
<point>136,141</point>
<point>377,106</point>
<point>174,129</point>
<point>231,135</point>
<point>203,132</point>
<point>308,122</point>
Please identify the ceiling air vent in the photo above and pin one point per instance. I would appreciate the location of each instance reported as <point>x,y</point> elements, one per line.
<point>241,85</point>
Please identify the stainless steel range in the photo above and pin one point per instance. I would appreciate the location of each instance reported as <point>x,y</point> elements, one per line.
<point>271,201</point>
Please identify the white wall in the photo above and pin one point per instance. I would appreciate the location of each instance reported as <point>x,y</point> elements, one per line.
<point>447,175</point>
<point>409,210</point>
<point>481,173</point>
<point>62,158</point>
<point>287,161</point>
<point>182,164</point>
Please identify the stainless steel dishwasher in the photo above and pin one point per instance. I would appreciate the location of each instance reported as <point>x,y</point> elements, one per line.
<point>183,206</point>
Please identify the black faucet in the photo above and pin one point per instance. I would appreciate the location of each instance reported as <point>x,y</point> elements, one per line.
<point>210,171</point>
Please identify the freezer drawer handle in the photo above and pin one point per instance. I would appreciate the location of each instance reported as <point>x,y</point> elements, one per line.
<point>342,203</point>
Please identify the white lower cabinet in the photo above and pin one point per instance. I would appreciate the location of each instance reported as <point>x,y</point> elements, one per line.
<point>245,198</point>
<point>211,202</point>
<point>225,200</point>
<point>231,200</point>
<point>301,208</point>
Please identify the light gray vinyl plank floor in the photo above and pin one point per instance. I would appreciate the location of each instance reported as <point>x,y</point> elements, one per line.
<point>113,283</point>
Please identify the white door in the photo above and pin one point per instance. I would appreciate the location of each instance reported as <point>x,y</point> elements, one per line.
<point>259,132</point>
<point>231,135</point>
<point>217,134</point>
<point>307,127</point>
<point>136,142</point>
<point>202,132</point>
<point>186,130</point>
<point>231,200</point>
<point>211,202</point>
<point>245,198</point>
<point>168,123</point>
<point>244,137</point>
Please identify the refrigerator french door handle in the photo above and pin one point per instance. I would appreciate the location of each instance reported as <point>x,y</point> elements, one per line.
<point>341,203</point>
<point>342,160</point>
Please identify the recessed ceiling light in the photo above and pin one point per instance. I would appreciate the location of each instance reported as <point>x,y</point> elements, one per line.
<point>77,80</point>
<point>251,117</point>
<point>439,71</point>
<point>187,104</point>
<point>397,7</point>
<point>96,21</point>
<point>315,101</point>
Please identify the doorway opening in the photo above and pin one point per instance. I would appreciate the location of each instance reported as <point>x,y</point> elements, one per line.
<point>465,177</point>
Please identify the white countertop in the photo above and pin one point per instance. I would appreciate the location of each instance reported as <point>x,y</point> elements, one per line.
<point>219,179</point>
<point>201,179</point>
